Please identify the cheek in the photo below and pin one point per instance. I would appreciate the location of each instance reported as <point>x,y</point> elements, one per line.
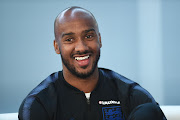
<point>96,46</point>
<point>66,50</point>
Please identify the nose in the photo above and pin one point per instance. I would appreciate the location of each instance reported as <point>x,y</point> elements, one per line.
<point>81,46</point>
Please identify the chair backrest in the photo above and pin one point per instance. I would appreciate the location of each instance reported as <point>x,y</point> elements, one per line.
<point>171,112</point>
<point>9,116</point>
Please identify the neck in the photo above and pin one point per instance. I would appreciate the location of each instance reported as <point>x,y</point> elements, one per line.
<point>86,85</point>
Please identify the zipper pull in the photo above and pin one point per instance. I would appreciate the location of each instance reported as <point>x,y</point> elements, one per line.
<point>88,101</point>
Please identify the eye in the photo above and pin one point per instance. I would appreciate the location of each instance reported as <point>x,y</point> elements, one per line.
<point>69,40</point>
<point>88,36</point>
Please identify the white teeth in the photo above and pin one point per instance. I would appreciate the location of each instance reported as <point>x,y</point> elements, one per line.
<point>82,58</point>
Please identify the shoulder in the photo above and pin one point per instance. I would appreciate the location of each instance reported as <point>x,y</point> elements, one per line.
<point>46,87</point>
<point>138,96</point>
<point>128,90</point>
<point>121,84</point>
<point>120,81</point>
<point>40,96</point>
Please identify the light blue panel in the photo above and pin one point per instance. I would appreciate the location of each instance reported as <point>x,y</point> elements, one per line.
<point>171,51</point>
<point>150,47</point>
<point>118,26</point>
<point>27,54</point>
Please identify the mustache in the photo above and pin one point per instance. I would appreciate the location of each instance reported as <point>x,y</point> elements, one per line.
<point>82,53</point>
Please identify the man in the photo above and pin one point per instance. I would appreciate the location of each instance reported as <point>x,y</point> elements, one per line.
<point>82,91</point>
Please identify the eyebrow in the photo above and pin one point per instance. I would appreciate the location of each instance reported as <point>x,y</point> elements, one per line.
<point>65,34</point>
<point>86,31</point>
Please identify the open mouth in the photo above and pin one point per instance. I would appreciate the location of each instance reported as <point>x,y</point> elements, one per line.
<point>82,58</point>
<point>82,61</point>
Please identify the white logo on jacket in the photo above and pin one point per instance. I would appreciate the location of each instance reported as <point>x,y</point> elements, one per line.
<point>109,102</point>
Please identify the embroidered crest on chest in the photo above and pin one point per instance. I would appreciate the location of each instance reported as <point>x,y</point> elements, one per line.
<point>112,113</point>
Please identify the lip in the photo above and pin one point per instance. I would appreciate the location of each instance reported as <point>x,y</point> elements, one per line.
<point>82,55</point>
<point>83,63</point>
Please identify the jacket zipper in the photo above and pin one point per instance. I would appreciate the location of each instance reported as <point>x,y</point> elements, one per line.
<point>88,103</point>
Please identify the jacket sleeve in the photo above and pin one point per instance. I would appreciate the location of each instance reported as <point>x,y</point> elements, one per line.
<point>140,97</point>
<point>32,109</point>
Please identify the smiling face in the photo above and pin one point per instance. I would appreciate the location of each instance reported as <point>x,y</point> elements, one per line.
<point>78,42</point>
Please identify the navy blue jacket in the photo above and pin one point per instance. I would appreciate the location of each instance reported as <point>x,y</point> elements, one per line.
<point>113,99</point>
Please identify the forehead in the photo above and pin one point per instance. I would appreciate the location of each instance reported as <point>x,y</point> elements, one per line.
<point>75,21</point>
<point>76,25</point>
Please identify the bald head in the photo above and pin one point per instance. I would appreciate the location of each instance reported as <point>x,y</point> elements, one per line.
<point>72,14</point>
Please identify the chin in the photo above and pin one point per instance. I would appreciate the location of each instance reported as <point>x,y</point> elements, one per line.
<point>85,73</point>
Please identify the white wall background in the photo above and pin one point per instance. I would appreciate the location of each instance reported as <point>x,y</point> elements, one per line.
<point>141,40</point>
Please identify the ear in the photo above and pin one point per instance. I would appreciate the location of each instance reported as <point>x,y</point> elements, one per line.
<point>56,47</point>
<point>100,40</point>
